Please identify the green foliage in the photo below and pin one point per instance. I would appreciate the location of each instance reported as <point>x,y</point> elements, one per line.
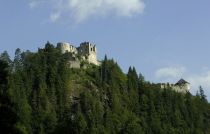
<point>8,117</point>
<point>40,94</point>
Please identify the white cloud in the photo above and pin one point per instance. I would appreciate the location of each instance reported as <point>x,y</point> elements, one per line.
<point>170,72</point>
<point>81,10</point>
<point>202,79</point>
<point>55,16</point>
<point>35,3</point>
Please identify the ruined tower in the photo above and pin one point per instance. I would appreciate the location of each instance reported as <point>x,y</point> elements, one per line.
<point>67,47</point>
<point>88,52</point>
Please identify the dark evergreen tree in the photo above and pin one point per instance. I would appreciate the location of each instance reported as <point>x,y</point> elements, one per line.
<point>8,116</point>
<point>40,94</point>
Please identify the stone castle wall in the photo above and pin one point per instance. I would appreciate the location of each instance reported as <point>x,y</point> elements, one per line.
<point>89,52</point>
<point>67,47</point>
<point>86,51</point>
<point>178,87</point>
<point>64,47</point>
<point>74,64</point>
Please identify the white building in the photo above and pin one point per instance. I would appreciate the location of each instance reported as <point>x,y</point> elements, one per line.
<point>181,86</point>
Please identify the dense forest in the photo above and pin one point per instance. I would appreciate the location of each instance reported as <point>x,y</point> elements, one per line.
<point>40,94</point>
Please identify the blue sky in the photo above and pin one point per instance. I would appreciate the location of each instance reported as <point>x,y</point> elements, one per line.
<point>164,39</point>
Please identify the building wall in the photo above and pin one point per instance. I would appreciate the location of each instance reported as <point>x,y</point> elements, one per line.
<point>74,64</point>
<point>64,47</point>
<point>86,50</point>
<point>92,59</point>
<point>73,49</point>
<point>183,88</point>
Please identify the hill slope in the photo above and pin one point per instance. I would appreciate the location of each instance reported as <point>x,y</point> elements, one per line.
<point>40,94</point>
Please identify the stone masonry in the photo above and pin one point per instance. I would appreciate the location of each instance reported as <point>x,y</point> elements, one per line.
<point>86,51</point>
<point>181,86</point>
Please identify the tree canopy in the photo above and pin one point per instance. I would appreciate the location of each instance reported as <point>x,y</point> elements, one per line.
<point>40,94</point>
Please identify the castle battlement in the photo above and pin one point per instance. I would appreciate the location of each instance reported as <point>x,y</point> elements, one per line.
<point>86,51</point>
<point>67,47</point>
<point>181,86</point>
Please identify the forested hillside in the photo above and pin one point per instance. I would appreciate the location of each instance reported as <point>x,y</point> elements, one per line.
<point>40,94</point>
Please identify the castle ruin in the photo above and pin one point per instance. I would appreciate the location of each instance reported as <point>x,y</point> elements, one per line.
<point>181,86</point>
<point>86,52</point>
